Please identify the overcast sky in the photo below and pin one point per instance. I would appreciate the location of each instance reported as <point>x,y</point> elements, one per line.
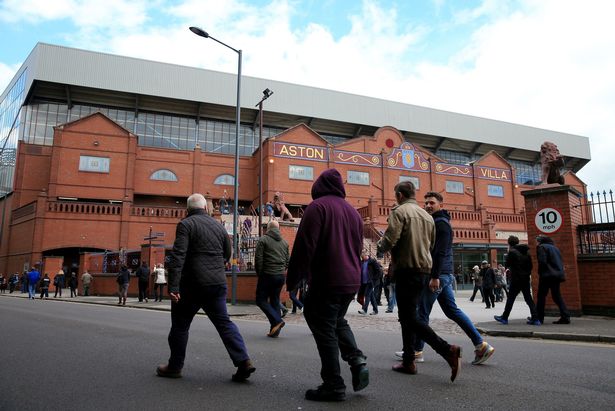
<point>542,63</point>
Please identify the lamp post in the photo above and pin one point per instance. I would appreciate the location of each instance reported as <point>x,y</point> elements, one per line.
<point>266,94</point>
<point>203,33</point>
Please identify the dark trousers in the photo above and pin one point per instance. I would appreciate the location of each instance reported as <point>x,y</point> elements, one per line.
<point>73,291</point>
<point>477,288</point>
<point>268,290</point>
<point>408,288</point>
<point>59,290</point>
<point>370,297</point>
<point>45,292</point>
<point>520,286</point>
<point>158,291</point>
<point>324,314</point>
<point>297,300</point>
<point>544,286</point>
<point>489,296</point>
<point>143,290</point>
<point>212,299</point>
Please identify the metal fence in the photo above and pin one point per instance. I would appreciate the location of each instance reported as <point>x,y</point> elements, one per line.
<point>597,233</point>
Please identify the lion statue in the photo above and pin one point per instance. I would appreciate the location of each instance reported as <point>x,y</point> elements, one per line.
<point>551,162</point>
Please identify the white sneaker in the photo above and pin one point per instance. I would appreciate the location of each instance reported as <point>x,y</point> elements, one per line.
<point>483,353</point>
<point>362,312</point>
<point>418,356</point>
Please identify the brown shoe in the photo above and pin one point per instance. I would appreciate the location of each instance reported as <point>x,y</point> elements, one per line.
<point>405,368</point>
<point>163,370</point>
<point>243,371</point>
<point>275,330</point>
<point>453,358</point>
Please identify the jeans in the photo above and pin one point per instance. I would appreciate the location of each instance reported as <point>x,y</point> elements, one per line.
<point>212,299</point>
<point>324,314</point>
<point>32,290</point>
<point>409,286</point>
<point>268,290</point>
<point>158,291</point>
<point>446,299</point>
<point>59,290</point>
<point>520,286</point>
<point>553,284</point>
<point>370,297</point>
<point>296,301</point>
<point>477,288</point>
<point>143,290</point>
<point>392,297</point>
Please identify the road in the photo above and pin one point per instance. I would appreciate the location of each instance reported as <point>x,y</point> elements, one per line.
<point>71,356</point>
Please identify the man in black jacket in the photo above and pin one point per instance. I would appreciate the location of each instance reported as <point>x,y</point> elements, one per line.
<point>550,276</point>
<point>519,262</point>
<point>142,274</point>
<point>197,280</point>
<point>488,276</point>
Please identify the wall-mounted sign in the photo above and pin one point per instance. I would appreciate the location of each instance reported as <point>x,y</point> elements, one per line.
<point>314,153</point>
<point>548,220</point>
<point>492,173</point>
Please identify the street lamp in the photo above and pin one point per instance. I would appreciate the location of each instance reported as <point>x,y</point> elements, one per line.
<point>266,94</point>
<point>203,33</point>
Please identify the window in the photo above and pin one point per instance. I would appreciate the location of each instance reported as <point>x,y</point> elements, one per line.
<point>495,190</point>
<point>454,186</point>
<point>225,180</point>
<point>358,177</point>
<point>94,164</point>
<point>163,175</point>
<point>301,173</point>
<point>414,180</point>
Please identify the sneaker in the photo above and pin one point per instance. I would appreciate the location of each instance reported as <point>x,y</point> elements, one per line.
<point>418,356</point>
<point>388,311</point>
<point>325,394</point>
<point>243,371</point>
<point>275,330</point>
<point>360,377</point>
<point>500,319</point>
<point>374,313</point>
<point>562,321</point>
<point>483,353</point>
<point>453,358</point>
<point>163,370</point>
<point>533,322</point>
<point>399,354</point>
<point>405,368</point>
<point>362,312</point>
<point>284,312</point>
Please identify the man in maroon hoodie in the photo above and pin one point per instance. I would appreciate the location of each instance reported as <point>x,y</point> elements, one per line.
<point>327,252</point>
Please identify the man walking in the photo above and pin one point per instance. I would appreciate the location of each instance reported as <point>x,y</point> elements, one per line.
<point>327,253</point>
<point>551,274</point>
<point>86,280</point>
<point>478,283</point>
<point>442,269</point>
<point>371,274</point>
<point>143,276</point>
<point>271,262</point>
<point>488,276</point>
<point>519,262</point>
<point>33,277</point>
<point>410,237</point>
<point>197,280</point>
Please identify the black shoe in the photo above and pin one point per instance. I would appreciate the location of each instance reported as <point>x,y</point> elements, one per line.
<point>360,377</point>
<point>562,321</point>
<point>163,370</point>
<point>284,312</point>
<point>243,371</point>
<point>325,394</point>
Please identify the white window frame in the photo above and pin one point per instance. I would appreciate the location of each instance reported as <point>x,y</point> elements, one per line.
<point>93,164</point>
<point>296,172</point>
<point>455,187</point>
<point>357,177</point>
<point>164,174</point>
<point>495,190</point>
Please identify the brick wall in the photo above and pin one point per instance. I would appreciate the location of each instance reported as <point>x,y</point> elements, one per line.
<point>598,286</point>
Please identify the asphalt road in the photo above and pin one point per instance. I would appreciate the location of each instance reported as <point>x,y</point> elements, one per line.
<point>70,356</point>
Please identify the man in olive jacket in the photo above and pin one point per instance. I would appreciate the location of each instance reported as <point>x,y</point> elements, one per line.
<point>271,261</point>
<point>197,280</point>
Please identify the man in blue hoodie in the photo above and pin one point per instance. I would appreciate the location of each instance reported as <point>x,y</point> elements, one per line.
<point>326,253</point>
<point>33,277</point>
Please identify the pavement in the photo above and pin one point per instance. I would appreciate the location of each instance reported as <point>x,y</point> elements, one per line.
<point>586,328</point>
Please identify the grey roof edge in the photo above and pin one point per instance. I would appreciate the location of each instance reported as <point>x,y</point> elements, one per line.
<point>48,62</point>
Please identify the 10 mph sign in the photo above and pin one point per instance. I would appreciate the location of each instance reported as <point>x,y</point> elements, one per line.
<point>548,220</point>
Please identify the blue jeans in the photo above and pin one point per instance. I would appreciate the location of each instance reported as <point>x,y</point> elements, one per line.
<point>212,299</point>
<point>32,290</point>
<point>392,298</point>
<point>446,299</point>
<point>268,290</point>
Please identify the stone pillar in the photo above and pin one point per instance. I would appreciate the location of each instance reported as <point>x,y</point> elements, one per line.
<point>565,200</point>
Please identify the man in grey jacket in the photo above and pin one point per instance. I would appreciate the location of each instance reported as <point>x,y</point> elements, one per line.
<point>197,280</point>
<point>271,261</point>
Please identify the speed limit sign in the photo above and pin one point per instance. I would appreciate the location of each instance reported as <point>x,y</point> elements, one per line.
<point>548,220</point>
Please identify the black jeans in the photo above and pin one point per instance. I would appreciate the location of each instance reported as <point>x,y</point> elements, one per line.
<point>158,291</point>
<point>212,299</point>
<point>324,314</point>
<point>268,290</point>
<point>520,286</point>
<point>477,288</point>
<point>143,290</point>
<point>553,284</point>
<point>408,288</point>
<point>489,296</point>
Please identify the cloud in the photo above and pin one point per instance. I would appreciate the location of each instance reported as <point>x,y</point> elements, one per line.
<point>7,72</point>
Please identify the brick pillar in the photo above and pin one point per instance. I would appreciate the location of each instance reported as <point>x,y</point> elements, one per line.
<point>563,199</point>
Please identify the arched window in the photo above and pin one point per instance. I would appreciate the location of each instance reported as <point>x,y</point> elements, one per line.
<point>225,180</point>
<point>163,175</point>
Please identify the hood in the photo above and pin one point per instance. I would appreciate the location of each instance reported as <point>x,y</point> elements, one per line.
<point>329,183</point>
<point>543,239</point>
<point>522,248</point>
<point>274,233</point>
<point>441,213</point>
